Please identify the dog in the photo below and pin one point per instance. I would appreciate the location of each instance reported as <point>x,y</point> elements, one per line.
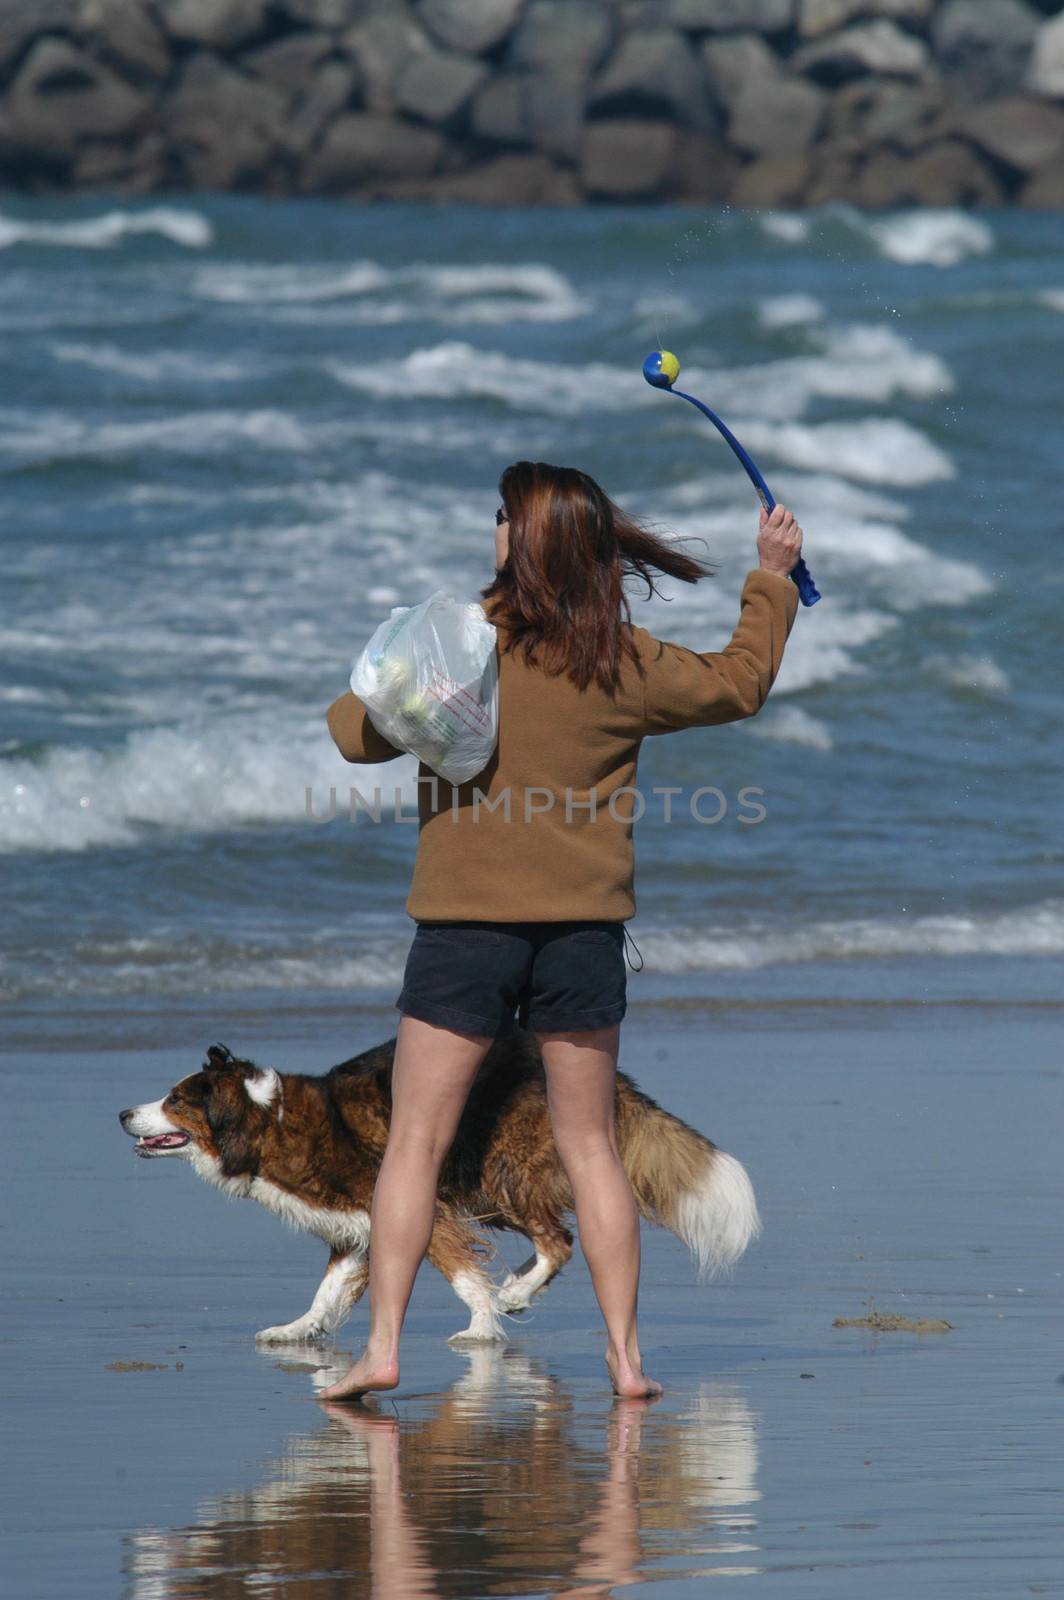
<point>309,1148</point>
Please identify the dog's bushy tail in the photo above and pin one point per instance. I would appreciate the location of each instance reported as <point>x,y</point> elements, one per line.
<point>683,1182</point>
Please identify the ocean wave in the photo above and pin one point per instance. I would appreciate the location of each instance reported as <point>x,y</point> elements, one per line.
<point>936,238</point>
<point>1036,930</point>
<point>1053,298</point>
<point>59,435</point>
<point>152,367</point>
<point>189,777</point>
<point>790,310</point>
<point>486,292</point>
<point>855,362</point>
<point>870,449</point>
<point>978,674</point>
<point>791,227</point>
<point>792,725</point>
<point>180,226</point>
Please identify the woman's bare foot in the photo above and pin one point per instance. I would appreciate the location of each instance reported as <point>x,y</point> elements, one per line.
<point>627,1377</point>
<point>368,1372</point>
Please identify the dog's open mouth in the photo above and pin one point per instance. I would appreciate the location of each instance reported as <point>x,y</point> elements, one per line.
<point>160,1141</point>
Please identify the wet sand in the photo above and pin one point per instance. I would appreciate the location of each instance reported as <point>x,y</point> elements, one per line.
<point>906,1161</point>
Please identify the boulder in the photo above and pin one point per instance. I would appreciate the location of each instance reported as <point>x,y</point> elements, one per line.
<point>290,63</point>
<point>655,73</point>
<point>383,46</point>
<point>526,109</point>
<point>1022,134</point>
<point>219,24</point>
<point>22,21</point>
<point>498,111</point>
<point>62,95</point>
<point>1044,189</point>
<point>776,180</point>
<point>704,170</point>
<point>504,180</point>
<point>817,17</point>
<point>136,167</point>
<point>787,123</point>
<point>124,33</point>
<point>437,85</point>
<point>874,111</point>
<point>627,159</point>
<point>335,86</point>
<point>769,112</point>
<point>363,148</point>
<point>564,38</point>
<point>983,47</point>
<point>332,14</point>
<point>1046,71</point>
<point>877,48</point>
<point>948,173</point>
<point>730,16</point>
<point>224,129</point>
<point>469,25</point>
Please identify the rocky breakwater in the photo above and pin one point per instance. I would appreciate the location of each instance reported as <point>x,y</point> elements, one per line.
<point>516,102</point>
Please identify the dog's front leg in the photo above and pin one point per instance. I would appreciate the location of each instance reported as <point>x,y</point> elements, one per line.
<point>345,1280</point>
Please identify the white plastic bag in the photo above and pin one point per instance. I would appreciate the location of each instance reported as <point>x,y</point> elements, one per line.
<point>429,681</point>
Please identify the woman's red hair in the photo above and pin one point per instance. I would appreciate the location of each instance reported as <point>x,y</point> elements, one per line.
<point>562,585</point>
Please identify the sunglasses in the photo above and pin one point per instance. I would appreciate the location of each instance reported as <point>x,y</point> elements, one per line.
<point>500,517</point>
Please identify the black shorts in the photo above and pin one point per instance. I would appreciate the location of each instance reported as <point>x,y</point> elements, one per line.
<point>472,976</point>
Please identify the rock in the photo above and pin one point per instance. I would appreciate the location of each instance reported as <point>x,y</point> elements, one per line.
<point>945,174</point>
<point>224,129</point>
<point>777,180</point>
<point>816,17</point>
<point>290,63</point>
<point>221,24</point>
<point>730,16</point>
<point>983,47</point>
<point>437,85</point>
<point>125,35</point>
<point>627,158</point>
<point>135,168</point>
<point>469,25</point>
<point>1046,72</point>
<point>873,111</point>
<point>61,96</point>
<point>334,86</point>
<point>704,170</point>
<point>655,73</point>
<point>21,21</point>
<point>382,47</point>
<point>498,111</point>
<point>737,63</point>
<point>362,147</point>
<point>1044,190</point>
<point>505,180</point>
<point>868,48</point>
<point>333,14</point>
<point>786,124</point>
<point>769,112</point>
<point>1021,134</point>
<point>564,38</point>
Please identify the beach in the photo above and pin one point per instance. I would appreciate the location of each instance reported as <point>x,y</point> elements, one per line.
<point>905,1161</point>
<point>235,434</point>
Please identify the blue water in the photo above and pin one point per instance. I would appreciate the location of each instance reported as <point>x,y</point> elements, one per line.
<point>234,433</point>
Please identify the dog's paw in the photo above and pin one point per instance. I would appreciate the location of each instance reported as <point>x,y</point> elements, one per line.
<point>301,1332</point>
<point>513,1296</point>
<point>479,1333</point>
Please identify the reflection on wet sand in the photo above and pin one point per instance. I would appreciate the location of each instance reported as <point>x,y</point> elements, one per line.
<point>507,1483</point>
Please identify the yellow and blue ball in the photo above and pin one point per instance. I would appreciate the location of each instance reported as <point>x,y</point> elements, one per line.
<point>661,369</point>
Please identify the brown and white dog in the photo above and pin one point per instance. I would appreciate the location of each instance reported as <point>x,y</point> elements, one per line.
<point>309,1149</point>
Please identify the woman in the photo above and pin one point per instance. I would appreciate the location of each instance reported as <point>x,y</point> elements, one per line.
<point>523,878</point>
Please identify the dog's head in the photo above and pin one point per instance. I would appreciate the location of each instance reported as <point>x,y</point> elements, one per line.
<point>218,1113</point>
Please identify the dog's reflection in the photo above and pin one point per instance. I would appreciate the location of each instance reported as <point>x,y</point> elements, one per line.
<point>504,1484</point>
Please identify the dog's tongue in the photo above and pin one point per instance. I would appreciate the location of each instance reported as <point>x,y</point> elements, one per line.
<point>165,1141</point>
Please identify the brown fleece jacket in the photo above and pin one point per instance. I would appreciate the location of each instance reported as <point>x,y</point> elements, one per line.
<point>533,837</point>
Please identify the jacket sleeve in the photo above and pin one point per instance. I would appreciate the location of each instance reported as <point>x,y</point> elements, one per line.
<point>354,734</point>
<point>683,689</point>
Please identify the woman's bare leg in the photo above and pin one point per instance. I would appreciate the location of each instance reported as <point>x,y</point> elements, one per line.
<point>581,1080</point>
<point>432,1075</point>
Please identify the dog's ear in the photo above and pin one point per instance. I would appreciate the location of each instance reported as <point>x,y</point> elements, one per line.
<point>218,1055</point>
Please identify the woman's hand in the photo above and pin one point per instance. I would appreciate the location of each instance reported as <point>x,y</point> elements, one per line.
<point>779,541</point>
